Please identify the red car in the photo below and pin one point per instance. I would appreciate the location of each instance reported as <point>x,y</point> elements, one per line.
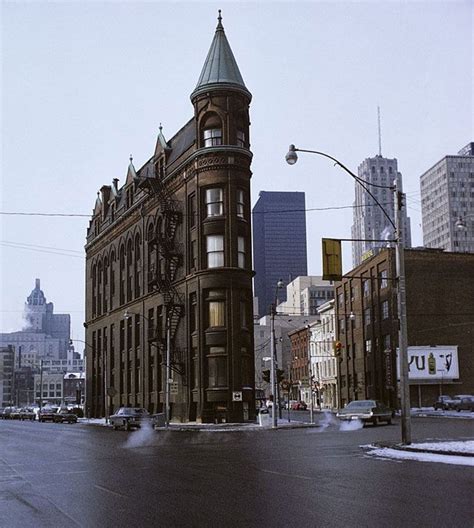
<point>299,406</point>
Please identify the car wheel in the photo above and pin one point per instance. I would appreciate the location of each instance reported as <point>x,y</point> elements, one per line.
<point>375,421</point>
<point>389,421</point>
<point>128,427</point>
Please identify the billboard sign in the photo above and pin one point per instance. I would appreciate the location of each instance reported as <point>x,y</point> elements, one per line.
<point>431,363</point>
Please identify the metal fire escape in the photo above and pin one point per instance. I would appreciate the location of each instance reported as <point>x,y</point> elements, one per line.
<point>168,258</point>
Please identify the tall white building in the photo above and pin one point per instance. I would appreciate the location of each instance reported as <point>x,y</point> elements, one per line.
<point>447,202</point>
<point>370,223</point>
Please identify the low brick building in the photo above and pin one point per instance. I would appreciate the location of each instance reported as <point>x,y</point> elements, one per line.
<point>440,311</point>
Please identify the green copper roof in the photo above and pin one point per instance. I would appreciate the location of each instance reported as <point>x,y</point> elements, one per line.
<point>220,69</point>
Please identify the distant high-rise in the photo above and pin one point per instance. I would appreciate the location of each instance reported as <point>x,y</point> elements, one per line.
<point>447,202</point>
<point>369,221</point>
<point>279,244</point>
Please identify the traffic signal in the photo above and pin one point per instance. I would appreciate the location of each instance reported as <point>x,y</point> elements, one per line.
<point>332,259</point>
<point>280,375</point>
<point>266,375</point>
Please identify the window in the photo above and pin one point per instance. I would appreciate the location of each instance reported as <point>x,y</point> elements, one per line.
<point>383,279</point>
<point>217,367</point>
<point>215,251</point>
<point>243,314</point>
<point>240,203</point>
<point>192,210</point>
<point>366,287</point>
<point>216,313</point>
<point>241,252</point>
<point>241,138</point>
<point>214,202</point>
<point>385,310</point>
<point>368,346</point>
<point>193,255</point>
<point>367,316</point>
<point>192,312</point>
<point>212,137</point>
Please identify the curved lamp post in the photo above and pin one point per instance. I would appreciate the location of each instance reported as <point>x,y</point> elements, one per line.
<point>291,158</point>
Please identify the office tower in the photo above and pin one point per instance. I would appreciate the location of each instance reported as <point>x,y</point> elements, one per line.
<point>370,223</point>
<point>447,202</point>
<point>279,244</point>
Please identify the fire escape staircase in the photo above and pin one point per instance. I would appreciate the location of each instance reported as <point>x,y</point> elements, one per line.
<point>169,257</point>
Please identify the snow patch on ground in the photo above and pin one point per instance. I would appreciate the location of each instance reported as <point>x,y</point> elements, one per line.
<point>454,447</point>
<point>386,452</point>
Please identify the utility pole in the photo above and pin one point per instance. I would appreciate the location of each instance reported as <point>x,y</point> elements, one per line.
<point>273,376</point>
<point>168,369</point>
<point>402,314</point>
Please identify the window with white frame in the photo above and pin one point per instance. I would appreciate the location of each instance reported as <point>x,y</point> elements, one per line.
<point>385,310</point>
<point>241,252</point>
<point>214,202</point>
<point>240,203</point>
<point>215,251</point>
<point>212,137</point>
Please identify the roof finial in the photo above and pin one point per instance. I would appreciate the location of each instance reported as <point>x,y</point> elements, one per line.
<point>160,128</point>
<point>219,21</point>
<point>131,158</point>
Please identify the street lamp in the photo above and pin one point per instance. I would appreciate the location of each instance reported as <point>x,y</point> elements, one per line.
<point>273,376</point>
<point>291,158</point>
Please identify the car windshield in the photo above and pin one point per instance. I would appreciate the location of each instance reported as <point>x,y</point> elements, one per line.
<point>361,404</point>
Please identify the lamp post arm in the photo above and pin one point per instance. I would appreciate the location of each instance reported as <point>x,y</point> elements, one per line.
<point>360,181</point>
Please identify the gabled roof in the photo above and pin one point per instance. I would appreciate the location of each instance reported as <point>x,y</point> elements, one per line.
<point>220,69</point>
<point>98,205</point>
<point>131,173</point>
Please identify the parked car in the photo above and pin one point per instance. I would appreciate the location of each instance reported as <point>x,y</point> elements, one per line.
<point>128,417</point>
<point>372,411</point>
<point>64,415</point>
<point>465,404</point>
<point>299,406</point>
<point>8,412</point>
<point>443,403</point>
<point>457,399</point>
<point>47,414</point>
<point>26,413</point>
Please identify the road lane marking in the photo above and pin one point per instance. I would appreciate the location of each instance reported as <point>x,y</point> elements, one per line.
<point>280,474</point>
<point>110,491</point>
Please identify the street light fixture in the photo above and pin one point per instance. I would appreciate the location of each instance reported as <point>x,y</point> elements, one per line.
<point>291,158</point>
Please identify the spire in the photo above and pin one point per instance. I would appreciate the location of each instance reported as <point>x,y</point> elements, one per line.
<point>220,69</point>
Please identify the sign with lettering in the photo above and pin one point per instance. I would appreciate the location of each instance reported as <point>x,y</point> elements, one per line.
<point>437,363</point>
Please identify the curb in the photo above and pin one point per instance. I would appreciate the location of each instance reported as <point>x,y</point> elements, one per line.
<point>411,449</point>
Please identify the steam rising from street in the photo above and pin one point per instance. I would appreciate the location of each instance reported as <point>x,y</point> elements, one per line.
<point>144,436</point>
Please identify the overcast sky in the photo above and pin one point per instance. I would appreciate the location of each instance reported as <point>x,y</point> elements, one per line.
<point>86,84</point>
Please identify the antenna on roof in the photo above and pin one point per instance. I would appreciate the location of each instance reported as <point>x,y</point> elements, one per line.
<point>380,131</point>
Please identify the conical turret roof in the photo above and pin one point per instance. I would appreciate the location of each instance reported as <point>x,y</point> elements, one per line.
<point>220,69</point>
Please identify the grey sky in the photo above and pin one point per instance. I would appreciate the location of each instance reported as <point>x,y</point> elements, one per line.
<point>86,84</point>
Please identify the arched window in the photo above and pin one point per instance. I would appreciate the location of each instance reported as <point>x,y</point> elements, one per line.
<point>106,285</point>
<point>129,270</point>
<point>122,275</point>
<point>138,266</point>
<point>94,290</point>
<point>112,279</point>
<point>211,130</point>
<point>151,255</point>
<point>99,288</point>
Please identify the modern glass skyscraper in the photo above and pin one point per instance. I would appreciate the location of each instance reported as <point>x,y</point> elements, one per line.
<point>447,202</point>
<point>279,244</point>
<point>369,221</point>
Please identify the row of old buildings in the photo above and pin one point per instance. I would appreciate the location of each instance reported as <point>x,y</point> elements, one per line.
<point>170,307</point>
<point>39,364</point>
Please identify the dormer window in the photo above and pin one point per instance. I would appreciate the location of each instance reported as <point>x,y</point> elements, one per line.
<point>241,138</point>
<point>212,137</point>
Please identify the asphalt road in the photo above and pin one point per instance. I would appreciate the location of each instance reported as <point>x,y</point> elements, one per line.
<point>58,475</point>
